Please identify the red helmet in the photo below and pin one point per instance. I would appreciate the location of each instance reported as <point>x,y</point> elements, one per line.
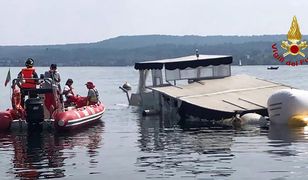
<point>90,84</point>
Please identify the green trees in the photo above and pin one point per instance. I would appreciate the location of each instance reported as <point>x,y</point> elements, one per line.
<point>126,50</point>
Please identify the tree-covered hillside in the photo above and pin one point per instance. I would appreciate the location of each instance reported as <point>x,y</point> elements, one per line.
<point>126,50</point>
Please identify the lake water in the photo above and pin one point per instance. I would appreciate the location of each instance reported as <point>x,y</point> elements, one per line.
<point>125,145</point>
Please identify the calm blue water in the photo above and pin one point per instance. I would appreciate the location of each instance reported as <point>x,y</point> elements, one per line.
<point>125,145</point>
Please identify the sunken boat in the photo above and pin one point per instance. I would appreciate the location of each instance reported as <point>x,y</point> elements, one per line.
<point>200,86</point>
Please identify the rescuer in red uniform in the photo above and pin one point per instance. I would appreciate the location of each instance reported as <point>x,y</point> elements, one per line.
<point>28,79</point>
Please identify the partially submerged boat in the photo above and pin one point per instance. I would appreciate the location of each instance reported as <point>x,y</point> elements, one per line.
<point>44,107</point>
<point>200,87</point>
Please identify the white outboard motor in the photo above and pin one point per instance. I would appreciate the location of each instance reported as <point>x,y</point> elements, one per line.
<point>288,106</point>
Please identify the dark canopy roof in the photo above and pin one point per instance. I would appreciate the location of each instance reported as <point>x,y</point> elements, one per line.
<point>185,62</point>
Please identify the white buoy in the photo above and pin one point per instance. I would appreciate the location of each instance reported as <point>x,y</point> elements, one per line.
<point>288,106</point>
<point>254,119</point>
<point>247,119</point>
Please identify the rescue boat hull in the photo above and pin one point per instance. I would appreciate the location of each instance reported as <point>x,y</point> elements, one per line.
<point>78,117</point>
<point>63,121</point>
<point>5,120</point>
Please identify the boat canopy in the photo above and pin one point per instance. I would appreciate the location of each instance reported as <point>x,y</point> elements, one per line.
<point>185,62</point>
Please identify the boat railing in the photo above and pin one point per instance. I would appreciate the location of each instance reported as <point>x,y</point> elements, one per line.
<point>43,85</point>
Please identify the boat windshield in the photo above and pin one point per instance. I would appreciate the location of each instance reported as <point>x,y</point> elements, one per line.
<point>198,73</point>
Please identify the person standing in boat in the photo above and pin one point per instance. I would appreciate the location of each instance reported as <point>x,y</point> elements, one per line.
<point>28,75</point>
<point>28,79</point>
<point>54,75</point>
<point>93,95</point>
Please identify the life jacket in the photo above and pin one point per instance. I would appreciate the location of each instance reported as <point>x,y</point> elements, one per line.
<point>26,74</point>
<point>96,97</point>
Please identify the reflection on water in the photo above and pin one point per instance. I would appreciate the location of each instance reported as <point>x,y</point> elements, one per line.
<point>159,152</point>
<point>288,134</point>
<point>176,153</point>
<point>207,153</point>
<point>41,154</point>
<point>283,137</point>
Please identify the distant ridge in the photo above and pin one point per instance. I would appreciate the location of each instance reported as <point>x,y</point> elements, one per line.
<point>128,42</point>
<point>126,50</point>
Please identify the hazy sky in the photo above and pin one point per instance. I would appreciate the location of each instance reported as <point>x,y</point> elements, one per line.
<point>27,22</point>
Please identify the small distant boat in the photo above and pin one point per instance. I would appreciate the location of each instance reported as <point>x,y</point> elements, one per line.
<point>240,63</point>
<point>273,68</point>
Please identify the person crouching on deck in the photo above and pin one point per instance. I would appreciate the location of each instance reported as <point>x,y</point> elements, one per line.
<point>27,79</point>
<point>69,94</point>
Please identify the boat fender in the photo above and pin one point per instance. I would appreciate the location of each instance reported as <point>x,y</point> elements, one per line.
<point>253,119</point>
<point>17,111</point>
<point>149,112</point>
<point>286,103</point>
<point>246,119</point>
<point>5,120</point>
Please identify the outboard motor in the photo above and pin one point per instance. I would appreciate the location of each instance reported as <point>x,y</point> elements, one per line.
<point>34,111</point>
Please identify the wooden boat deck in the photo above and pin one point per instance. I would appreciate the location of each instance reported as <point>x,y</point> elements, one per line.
<point>229,94</point>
